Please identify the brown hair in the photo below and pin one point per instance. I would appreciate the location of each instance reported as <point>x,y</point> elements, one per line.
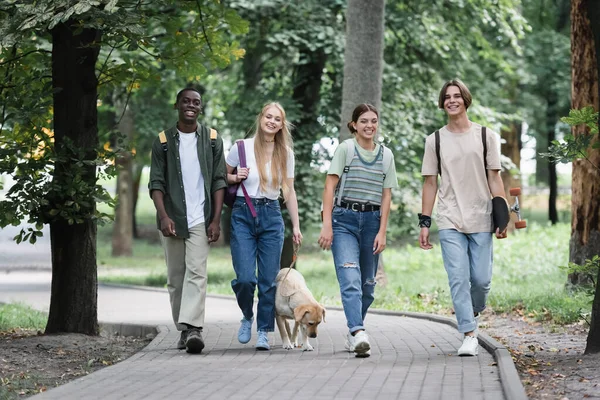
<point>283,143</point>
<point>464,92</point>
<point>358,111</point>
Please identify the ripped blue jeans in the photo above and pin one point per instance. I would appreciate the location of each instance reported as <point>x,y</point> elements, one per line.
<point>354,233</point>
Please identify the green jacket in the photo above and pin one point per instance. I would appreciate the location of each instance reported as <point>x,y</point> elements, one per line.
<point>165,175</point>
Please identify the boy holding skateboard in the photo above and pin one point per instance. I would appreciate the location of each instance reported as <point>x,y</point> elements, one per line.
<point>464,213</point>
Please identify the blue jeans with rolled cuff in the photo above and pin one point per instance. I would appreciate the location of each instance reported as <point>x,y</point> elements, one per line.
<point>256,245</point>
<point>354,233</point>
<point>468,261</point>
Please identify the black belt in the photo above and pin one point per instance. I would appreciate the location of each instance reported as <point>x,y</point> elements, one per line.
<point>261,200</point>
<point>360,206</point>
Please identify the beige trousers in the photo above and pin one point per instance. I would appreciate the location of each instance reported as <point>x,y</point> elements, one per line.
<point>186,276</point>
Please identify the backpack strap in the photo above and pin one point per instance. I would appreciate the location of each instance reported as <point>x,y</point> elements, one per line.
<point>387,160</point>
<point>242,157</point>
<point>484,140</point>
<point>213,137</point>
<point>437,151</point>
<point>349,156</point>
<point>163,140</point>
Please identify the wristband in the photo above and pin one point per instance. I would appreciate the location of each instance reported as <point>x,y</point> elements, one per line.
<point>424,221</point>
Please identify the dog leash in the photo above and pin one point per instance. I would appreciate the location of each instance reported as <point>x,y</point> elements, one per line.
<point>294,258</point>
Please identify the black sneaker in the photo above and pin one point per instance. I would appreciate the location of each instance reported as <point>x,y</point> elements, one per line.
<point>194,343</point>
<point>181,342</point>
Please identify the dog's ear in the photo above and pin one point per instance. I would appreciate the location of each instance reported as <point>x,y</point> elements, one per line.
<point>322,312</point>
<point>299,312</point>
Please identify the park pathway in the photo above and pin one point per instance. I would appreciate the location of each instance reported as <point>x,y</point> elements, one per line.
<point>413,357</point>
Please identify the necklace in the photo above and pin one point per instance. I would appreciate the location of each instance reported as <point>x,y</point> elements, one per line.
<point>269,141</point>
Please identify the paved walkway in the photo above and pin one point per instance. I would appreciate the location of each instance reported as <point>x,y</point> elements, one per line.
<point>412,358</point>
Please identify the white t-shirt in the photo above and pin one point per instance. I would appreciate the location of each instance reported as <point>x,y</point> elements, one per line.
<point>464,199</point>
<point>252,183</point>
<point>193,181</point>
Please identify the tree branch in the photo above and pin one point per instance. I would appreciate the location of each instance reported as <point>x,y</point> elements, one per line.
<point>127,100</point>
<point>105,62</point>
<point>202,23</point>
<point>24,55</point>
<point>8,78</point>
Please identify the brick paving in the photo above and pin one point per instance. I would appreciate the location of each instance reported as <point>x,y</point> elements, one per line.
<point>411,358</point>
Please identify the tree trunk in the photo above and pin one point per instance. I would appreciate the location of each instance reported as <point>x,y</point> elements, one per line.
<point>307,94</point>
<point>363,68</point>
<point>541,163</point>
<point>592,245</point>
<point>363,58</point>
<point>551,119</point>
<point>137,178</point>
<point>511,148</point>
<point>122,236</point>
<point>585,203</point>
<point>73,299</point>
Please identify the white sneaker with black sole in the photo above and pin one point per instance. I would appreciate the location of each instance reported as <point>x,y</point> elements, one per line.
<point>359,344</point>
<point>469,346</point>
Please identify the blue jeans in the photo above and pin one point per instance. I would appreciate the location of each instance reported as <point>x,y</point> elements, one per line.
<point>468,262</point>
<point>355,265</point>
<point>256,241</point>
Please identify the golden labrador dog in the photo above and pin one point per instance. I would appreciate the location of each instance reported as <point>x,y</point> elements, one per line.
<point>294,301</point>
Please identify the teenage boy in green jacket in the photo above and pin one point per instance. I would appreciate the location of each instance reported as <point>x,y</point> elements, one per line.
<point>187,185</point>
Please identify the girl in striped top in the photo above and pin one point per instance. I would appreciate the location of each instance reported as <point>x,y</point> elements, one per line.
<point>354,227</point>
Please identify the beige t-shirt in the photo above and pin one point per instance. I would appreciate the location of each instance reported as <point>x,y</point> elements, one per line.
<point>464,199</point>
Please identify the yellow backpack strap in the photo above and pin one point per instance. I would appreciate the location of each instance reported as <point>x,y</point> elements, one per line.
<point>213,137</point>
<point>163,140</point>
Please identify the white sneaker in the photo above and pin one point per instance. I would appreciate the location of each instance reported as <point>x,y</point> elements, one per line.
<point>469,346</point>
<point>358,344</point>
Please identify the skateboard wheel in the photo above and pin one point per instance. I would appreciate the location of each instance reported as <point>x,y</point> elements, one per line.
<point>521,224</point>
<point>515,191</point>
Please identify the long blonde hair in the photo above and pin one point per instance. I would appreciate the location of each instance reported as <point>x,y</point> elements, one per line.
<point>283,143</point>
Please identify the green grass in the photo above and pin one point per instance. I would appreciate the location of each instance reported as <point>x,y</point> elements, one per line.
<point>527,278</point>
<point>18,316</point>
<point>14,383</point>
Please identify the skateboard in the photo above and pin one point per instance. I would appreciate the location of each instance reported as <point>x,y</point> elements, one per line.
<point>501,211</point>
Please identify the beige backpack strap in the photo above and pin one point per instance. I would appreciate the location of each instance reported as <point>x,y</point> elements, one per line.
<point>213,137</point>
<point>163,140</point>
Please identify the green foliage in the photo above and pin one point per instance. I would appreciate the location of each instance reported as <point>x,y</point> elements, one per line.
<point>36,197</point>
<point>576,147</point>
<point>586,116</point>
<point>588,272</point>
<point>141,45</point>
<point>425,44</point>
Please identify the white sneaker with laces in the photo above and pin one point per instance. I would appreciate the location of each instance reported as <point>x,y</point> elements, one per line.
<point>362,347</point>
<point>358,344</point>
<point>469,346</point>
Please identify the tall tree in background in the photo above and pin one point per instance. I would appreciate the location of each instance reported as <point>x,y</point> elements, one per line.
<point>585,223</point>
<point>363,68</point>
<point>55,171</point>
<point>363,58</point>
<point>75,88</point>
<point>544,101</point>
<point>123,227</point>
<point>585,200</point>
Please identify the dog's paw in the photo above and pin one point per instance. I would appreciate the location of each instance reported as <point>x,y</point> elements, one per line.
<point>307,347</point>
<point>287,345</point>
